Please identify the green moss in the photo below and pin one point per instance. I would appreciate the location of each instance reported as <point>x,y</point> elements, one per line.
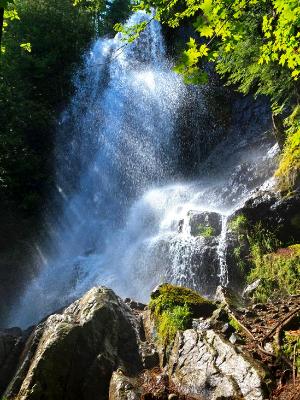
<point>288,172</point>
<point>171,321</point>
<point>173,308</point>
<point>235,324</point>
<point>171,296</point>
<point>205,231</point>
<point>239,223</point>
<point>279,272</point>
<point>237,253</point>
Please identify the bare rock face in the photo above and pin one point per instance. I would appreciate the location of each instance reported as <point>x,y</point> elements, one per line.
<point>204,363</point>
<point>73,355</point>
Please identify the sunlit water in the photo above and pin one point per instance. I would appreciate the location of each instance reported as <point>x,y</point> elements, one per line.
<point>124,221</point>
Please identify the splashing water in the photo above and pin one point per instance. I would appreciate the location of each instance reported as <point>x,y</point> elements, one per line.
<point>125,222</point>
<point>221,251</point>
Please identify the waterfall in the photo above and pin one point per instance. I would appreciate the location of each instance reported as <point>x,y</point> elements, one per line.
<point>221,251</point>
<point>123,218</point>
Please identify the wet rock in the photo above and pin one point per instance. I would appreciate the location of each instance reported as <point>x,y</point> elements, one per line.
<point>272,210</point>
<point>250,289</point>
<point>205,364</point>
<point>180,225</point>
<point>205,223</point>
<point>205,265</point>
<point>237,258</point>
<point>73,355</point>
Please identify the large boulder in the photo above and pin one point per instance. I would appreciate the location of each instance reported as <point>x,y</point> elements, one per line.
<point>203,363</point>
<point>72,355</point>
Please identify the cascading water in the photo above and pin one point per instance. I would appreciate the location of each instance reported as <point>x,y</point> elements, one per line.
<point>221,251</point>
<point>126,222</point>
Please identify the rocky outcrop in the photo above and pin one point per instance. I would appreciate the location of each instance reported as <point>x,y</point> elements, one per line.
<point>73,355</point>
<point>276,214</point>
<point>205,223</point>
<point>201,250</point>
<point>203,363</point>
<point>103,348</point>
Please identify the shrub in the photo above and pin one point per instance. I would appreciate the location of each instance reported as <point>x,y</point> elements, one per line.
<point>279,272</point>
<point>239,223</point>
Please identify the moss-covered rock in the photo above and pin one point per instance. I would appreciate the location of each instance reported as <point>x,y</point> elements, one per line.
<point>206,224</point>
<point>173,308</point>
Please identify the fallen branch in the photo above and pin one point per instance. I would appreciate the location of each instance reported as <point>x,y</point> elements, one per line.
<point>282,323</point>
<point>250,335</point>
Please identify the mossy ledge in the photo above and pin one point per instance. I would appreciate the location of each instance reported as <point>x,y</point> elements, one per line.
<point>174,307</point>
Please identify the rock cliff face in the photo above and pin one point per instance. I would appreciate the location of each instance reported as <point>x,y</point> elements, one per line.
<point>101,347</point>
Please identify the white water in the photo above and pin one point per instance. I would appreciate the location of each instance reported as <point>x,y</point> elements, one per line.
<point>121,206</point>
<point>221,251</point>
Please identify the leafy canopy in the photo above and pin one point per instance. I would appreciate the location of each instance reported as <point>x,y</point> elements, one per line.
<point>9,13</point>
<point>220,28</point>
<point>253,44</point>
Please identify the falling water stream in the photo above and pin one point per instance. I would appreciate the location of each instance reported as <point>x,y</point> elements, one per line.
<point>125,218</point>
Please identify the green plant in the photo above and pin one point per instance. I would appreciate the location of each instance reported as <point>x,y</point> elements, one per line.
<point>279,273</point>
<point>237,252</point>
<point>235,324</point>
<point>238,223</point>
<point>171,321</point>
<point>291,347</point>
<point>205,231</point>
